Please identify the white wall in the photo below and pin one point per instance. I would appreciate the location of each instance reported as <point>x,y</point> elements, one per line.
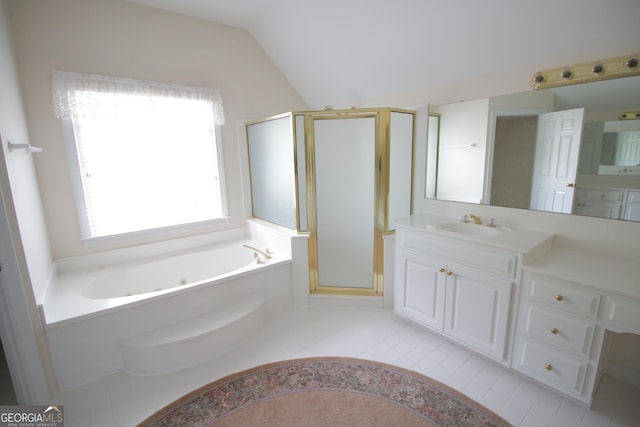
<point>121,39</point>
<point>24,255</point>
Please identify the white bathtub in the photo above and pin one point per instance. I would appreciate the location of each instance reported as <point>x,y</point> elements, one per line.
<point>101,318</point>
<point>169,273</point>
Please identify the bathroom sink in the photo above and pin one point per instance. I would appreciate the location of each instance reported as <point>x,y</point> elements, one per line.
<point>467,228</point>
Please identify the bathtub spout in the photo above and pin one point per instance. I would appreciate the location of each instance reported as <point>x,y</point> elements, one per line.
<point>257,251</point>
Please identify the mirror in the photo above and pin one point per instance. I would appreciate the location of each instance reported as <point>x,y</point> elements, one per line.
<point>498,150</point>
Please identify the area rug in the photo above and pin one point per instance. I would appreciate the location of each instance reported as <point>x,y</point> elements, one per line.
<point>325,391</point>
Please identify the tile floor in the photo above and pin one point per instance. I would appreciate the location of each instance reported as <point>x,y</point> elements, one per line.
<point>368,333</point>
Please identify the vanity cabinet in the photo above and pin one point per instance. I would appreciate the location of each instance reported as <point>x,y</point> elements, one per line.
<point>461,290</point>
<point>599,202</point>
<point>511,296</point>
<point>607,203</point>
<point>556,341</point>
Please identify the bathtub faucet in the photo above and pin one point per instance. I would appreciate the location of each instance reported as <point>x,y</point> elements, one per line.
<point>265,254</point>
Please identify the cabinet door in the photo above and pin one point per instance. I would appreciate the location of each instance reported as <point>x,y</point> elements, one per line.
<point>477,310</point>
<point>419,291</point>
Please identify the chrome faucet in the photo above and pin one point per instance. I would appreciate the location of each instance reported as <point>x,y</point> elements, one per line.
<point>265,254</point>
<point>476,219</point>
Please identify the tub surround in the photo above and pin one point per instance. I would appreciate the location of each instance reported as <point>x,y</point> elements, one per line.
<point>193,341</point>
<point>560,304</point>
<point>92,333</point>
<point>97,290</point>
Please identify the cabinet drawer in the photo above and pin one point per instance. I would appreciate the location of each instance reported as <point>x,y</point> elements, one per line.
<point>559,329</point>
<point>553,368</point>
<point>563,296</point>
<point>602,195</point>
<point>494,260</point>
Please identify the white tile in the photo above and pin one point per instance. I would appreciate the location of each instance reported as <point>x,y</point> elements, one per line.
<point>428,343</point>
<point>569,414</point>
<point>401,349</point>
<point>595,419</point>
<point>101,405</point>
<point>435,358</point>
<point>77,407</point>
<point>466,373</point>
<point>543,410</point>
<point>123,400</point>
<point>525,395</point>
<point>501,392</point>
<point>450,364</point>
<point>484,381</point>
<point>513,414</point>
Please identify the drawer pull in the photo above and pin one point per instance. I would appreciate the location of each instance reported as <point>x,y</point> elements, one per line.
<point>548,367</point>
<point>554,331</point>
<point>449,273</point>
<point>442,270</point>
<point>559,297</point>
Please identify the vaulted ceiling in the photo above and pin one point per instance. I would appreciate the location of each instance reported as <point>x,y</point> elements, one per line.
<point>350,52</point>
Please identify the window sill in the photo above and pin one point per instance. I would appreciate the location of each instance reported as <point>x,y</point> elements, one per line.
<point>157,234</point>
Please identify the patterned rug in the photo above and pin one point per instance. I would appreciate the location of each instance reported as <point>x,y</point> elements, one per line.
<point>324,391</point>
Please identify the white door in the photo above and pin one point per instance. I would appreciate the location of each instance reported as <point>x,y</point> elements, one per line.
<point>556,160</point>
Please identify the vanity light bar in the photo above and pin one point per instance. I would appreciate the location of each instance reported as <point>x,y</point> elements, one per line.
<point>629,115</point>
<point>623,66</point>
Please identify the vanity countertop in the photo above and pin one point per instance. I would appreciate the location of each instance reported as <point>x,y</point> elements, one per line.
<point>530,242</point>
<point>620,277</point>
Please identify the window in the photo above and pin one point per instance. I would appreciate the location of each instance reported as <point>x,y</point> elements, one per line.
<point>145,156</point>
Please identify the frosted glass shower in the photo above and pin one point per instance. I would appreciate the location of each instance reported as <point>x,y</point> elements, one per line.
<point>340,175</point>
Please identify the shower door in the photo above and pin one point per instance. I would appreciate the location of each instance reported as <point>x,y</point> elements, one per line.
<point>345,233</point>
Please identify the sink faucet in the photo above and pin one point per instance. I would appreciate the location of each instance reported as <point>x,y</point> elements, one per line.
<point>476,219</point>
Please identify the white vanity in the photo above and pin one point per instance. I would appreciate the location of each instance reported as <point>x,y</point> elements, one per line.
<point>509,295</point>
<point>610,203</point>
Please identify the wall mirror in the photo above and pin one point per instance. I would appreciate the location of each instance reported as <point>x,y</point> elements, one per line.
<point>561,149</point>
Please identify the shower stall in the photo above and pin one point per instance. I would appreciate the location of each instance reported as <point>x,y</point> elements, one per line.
<point>342,176</point>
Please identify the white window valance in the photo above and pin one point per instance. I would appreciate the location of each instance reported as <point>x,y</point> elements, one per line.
<point>89,96</point>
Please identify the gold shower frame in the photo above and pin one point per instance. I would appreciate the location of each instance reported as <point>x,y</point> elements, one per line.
<point>382,118</point>
<point>382,227</point>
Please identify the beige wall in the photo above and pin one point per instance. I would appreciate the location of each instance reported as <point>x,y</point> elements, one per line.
<point>121,39</point>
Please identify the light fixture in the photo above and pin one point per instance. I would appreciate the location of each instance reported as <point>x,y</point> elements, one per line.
<point>622,66</point>
<point>629,115</point>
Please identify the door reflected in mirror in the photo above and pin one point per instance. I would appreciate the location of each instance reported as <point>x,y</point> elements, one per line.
<point>508,151</point>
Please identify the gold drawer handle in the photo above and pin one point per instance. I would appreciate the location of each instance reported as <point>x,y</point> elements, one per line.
<point>548,367</point>
<point>449,273</point>
<point>442,270</point>
<point>559,297</point>
<point>554,331</point>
